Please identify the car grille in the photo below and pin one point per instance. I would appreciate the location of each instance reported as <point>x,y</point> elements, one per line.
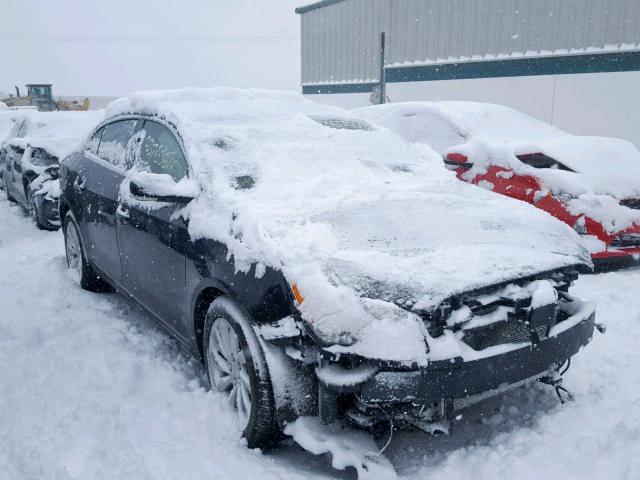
<point>626,240</point>
<point>631,203</point>
<point>512,331</point>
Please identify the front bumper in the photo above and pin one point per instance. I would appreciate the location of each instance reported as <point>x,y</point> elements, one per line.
<point>455,379</point>
<point>47,209</point>
<point>616,259</point>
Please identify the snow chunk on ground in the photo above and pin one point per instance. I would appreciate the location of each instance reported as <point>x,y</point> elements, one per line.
<point>348,447</point>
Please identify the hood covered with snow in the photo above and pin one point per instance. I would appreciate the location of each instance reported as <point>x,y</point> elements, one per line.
<point>604,166</point>
<point>59,133</point>
<point>416,250</point>
<point>360,220</point>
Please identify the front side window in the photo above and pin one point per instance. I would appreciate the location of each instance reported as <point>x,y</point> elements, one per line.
<point>94,141</point>
<point>113,144</point>
<point>540,160</point>
<point>160,152</point>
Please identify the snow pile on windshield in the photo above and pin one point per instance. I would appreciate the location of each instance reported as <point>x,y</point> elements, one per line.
<point>59,133</point>
<point>489,134</point>
<point>347,213</point>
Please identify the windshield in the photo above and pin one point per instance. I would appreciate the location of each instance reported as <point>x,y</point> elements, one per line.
<point>342,123</point>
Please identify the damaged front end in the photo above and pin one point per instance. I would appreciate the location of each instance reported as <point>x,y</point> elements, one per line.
<point>479,344</point>
<point>41,172</point>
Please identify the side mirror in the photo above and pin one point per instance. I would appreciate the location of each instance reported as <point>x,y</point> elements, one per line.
<point>162,188</point>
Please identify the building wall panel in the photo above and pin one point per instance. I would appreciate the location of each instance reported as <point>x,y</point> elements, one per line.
<point>340,40</point>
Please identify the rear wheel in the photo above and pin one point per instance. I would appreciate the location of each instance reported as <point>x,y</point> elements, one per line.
<point>237,368</point>
<point>6,189</point>
<point>77,262</point>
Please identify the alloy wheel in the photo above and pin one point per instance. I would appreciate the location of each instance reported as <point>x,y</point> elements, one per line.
<point>228,369</point>
<point>33,211</point>
<point>73,250</point>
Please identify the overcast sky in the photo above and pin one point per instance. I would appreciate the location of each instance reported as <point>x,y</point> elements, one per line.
<point>113,47</point>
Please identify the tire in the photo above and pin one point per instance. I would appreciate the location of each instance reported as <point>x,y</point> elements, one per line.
<point>33,210</point>
<point>6,190</point>
<point>246,373</point>
<point>77,261</point>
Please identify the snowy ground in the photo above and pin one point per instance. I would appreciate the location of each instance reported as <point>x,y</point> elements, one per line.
<point>92,389</point>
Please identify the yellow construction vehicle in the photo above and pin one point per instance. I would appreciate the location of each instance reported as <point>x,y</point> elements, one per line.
<point>39,95</point>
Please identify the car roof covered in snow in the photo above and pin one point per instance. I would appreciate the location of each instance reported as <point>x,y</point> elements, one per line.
<point>59,133</point>
<point>423,122</point>
<point>340,207</point>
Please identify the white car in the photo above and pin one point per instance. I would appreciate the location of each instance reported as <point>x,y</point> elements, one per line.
<point>29,158</point>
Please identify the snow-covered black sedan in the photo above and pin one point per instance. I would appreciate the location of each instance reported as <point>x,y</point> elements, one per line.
<point>29,159</point>
<point>318,266</point>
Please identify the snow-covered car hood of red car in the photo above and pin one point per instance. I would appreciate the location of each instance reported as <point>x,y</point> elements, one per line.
<point>604,166</point>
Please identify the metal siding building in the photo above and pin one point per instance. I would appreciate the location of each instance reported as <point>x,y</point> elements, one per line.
<point>453,39</point>
<point>572,63</point>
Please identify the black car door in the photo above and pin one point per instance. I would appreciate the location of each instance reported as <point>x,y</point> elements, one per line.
<point>99,183</point>
<point>152,240</point>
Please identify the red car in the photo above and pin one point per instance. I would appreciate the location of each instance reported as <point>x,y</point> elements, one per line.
<point>590,183</point>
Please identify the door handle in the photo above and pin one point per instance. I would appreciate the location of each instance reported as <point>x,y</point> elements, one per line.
<point>110,218</point>
<point>79,183</point>
<point>122,212</point>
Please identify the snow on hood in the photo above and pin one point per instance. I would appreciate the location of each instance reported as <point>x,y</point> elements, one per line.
<point>59,133</point>
<point>605,166</point>
<point>347,212</point>
<point>491,134</point>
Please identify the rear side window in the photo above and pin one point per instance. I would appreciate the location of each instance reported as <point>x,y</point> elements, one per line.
<point>94,141</point>
<point>540,160</point>
<point>160,152</point>
<point>19,129</point>
<point>113,144</point>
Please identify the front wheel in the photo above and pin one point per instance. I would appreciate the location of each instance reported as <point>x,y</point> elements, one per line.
<point>77,262</point>
<point>237,368</point>
<point>33,209</point>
